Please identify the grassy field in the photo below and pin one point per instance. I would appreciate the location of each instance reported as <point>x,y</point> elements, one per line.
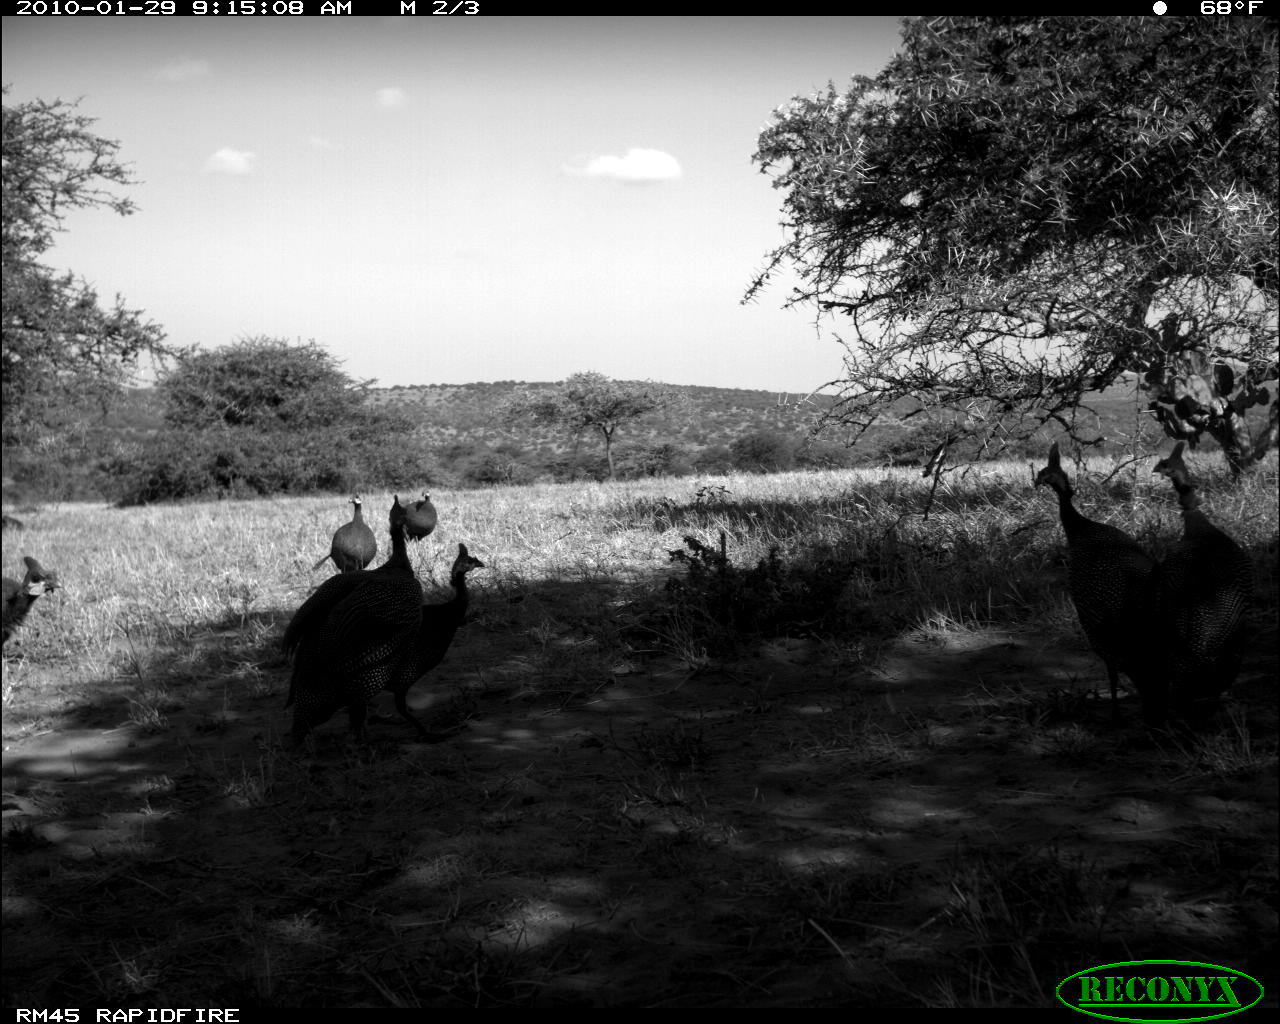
<point>861,761</point>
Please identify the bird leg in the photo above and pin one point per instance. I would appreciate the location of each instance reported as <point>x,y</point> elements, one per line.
<point>403,708</point>
<point>425,735</point>
<point>357,711</point>
<point>1114,676</point>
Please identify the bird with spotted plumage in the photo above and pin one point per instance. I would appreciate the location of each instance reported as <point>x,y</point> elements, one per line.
<point>354,546</point>
<point>1112,583</point>
<point>20,596</point>
<point>354,637</point>
<point>1205,586</point>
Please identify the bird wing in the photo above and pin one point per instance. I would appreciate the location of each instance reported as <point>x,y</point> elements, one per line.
<point>316,608</point>
<point>371,617</point>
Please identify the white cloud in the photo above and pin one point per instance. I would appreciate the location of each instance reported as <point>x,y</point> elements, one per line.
<point>637,165</point>
<point>231,161</point>
<point>184,69</point>
<point>391,98</point>
<point>319,142</point>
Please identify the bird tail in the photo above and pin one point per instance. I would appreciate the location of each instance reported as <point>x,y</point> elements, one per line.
<point>320,563</point>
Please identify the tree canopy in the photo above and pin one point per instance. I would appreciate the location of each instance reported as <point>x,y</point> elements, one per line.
<point>262,383</point>
<point>594,403</point>
<point>1017,212</point>
<point>264,416</point>
<point>61,347</point>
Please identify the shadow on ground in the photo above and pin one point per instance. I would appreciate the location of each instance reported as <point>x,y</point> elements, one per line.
<point>943,820</point>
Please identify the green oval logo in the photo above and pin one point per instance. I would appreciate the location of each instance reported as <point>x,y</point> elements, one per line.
<point>1163,990</point>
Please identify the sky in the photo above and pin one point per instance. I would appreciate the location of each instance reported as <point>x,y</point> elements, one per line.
<point>446,200</point>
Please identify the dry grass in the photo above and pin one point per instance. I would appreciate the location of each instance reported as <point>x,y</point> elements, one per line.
<point>876,773</point>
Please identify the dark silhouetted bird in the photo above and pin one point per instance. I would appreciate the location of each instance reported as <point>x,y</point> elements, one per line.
<point>19,597</point>
<point>421,518</point>
<point>1205,585</point>
<point>440,621</point>
<point>1111,580</point>
<point>353,637</point>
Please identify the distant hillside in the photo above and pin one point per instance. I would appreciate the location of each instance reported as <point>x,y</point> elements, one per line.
<point>704,423</point>
<point>460,433</point>
<point>455,416</point>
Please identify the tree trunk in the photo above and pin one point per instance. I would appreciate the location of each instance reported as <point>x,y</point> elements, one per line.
<point>608,449</point>
<point>1232,434</point>
<point>1193,394</point>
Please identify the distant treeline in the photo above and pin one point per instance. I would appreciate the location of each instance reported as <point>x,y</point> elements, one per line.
<point>455,436</point>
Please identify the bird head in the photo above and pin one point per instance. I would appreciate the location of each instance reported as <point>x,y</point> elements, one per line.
<point>464,563</point>
<point>1053,474</point>
<point>399,513</point>
<point>39,577</point>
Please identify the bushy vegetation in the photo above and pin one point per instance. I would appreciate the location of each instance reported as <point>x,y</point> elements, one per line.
<point>1015,214</point>
<point>216,463</point>
<point>264,417</point>
<point>764,451</point>
<point>452,436</point>
<point>65,356</point>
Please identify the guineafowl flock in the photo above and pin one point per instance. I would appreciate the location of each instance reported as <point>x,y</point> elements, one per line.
<point>363,632</point>
<point>1173,627</point>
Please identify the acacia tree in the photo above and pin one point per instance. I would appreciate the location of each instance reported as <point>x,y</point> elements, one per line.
<point>61,347</point>
<point>592,402</point>
<point>1017,212</point>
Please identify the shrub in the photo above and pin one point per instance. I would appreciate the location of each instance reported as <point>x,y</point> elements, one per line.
<point>714,458</point>
<point>764,451</point>
<point>664,459</point>
<point>237,463</point>
<point>819,454</point>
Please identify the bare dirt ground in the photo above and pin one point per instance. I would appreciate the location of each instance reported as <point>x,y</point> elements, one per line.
<point>945,820</point>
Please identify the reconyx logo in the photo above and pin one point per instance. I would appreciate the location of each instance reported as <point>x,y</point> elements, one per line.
<point>1163,990</point>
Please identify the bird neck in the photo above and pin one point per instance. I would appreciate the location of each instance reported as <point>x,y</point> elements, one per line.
<point>459,583</point>
<point>1072,520</point>
<point>1188,496</point>
<point>399,551</point>
<point>1195,524</point>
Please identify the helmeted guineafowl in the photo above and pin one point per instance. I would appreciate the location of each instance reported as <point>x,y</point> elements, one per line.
<point>19,597</point>
<point>354,545</point>
<point>440,621</point>
<point>1205,585</point>
<point>1111,580</point>
<point>353,636</point>
<point>422,518</point>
